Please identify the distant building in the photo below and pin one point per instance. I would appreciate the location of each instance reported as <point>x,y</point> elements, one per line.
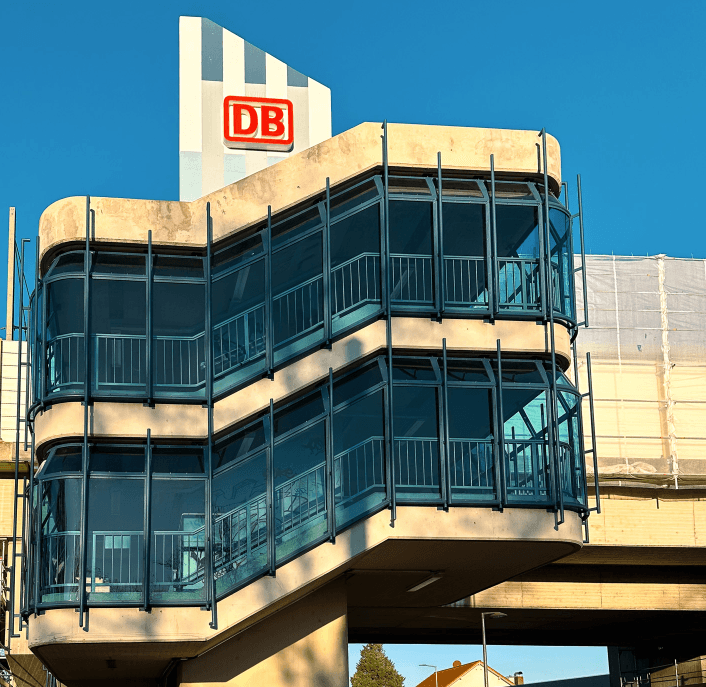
<point>469,675</point>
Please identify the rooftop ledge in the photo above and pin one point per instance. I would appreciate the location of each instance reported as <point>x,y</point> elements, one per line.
<point>291,181</point>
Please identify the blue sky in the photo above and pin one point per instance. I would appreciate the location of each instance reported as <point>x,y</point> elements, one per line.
<point>90,106</point>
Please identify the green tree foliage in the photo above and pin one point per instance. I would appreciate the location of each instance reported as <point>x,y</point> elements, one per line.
<point>375,669</point>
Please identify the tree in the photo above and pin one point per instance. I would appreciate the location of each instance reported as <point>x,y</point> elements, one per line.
<point>375,669</point>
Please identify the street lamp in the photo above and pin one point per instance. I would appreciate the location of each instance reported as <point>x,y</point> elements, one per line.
<point>490,614</point>
<point>436,675</point>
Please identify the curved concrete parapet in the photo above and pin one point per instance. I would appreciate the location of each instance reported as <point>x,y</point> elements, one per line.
<point>291,181</point>
<point>180,421</point>
<point>371,566</point>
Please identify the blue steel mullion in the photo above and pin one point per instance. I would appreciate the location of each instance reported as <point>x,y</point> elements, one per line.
<point>583,252</point>
<point>438,248</point>
<point>270,497</point>
<point>327,269</point>
<point>41,362</point>
<point>330,468</point>
<point>494,306</point>
<point>147,536</point>
<point>447,493</point>
<point>269,314</point>
<point>593,436</point>
<point>502,491</point>
<point>390,462</point>
<point>148,331</point>
<point>90,215</point>
<point>553,429</point>
<point>210,578</point>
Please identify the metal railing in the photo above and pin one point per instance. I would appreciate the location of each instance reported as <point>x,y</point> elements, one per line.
<point>116,561</point>
<point>298,310</point>
<point>179,361</point>
<point>465,281</point>
<point>120,360</point>
<point>64,361</point>
<point>178,559</point>
<point>359,469</point>
<point>238,340</point>
<point>519,284</point>
<point>527,470</point>
<point>471,463</point>
<point>412,278</point>
<point>60,556</point>
<point>355,282</point>
<point>416,462</point>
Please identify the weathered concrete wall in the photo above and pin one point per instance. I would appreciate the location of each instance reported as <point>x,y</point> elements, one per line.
<point>305,645</point>
<point>291,181</point>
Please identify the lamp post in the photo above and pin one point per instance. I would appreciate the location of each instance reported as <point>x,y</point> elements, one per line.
<point>436,674</point>
<point>490,614</point>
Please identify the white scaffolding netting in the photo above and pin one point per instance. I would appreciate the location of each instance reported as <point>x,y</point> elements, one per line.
<point>647,339</point>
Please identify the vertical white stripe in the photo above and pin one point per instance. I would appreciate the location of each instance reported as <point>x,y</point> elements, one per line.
<point>233,70</point>
<point>319,112</point>
<point>276,78</point>
<point>190,124</point>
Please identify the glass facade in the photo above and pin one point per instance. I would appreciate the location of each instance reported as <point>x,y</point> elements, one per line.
<point>290,480</point>
<point>297,283</point>
<point>153,524</point>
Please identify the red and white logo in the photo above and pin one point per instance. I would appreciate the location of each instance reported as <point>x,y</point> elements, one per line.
<point>258,123</point>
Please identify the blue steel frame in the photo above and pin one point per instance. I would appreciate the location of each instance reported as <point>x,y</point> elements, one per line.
<point>440,382</point>
<point>438,310</point>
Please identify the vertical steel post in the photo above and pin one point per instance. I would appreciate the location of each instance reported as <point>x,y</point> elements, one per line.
<point>269,306</point>
<point>583,252</point>
<point>328,314</point>
<point>11,272</point>
<point>388,303</point>
<point>34,552</point>
<point>11,325</point>
<point>90,215</point>
<point>502,490</point>
<point>447,494</point>
<point>148,330</point>
<point>553,414</point>
<point>438,250</point>
<point>210,578</point>
<point>593,435</point>
<point>147,536</point>
<point>494,280</point>
<point>35,326</point>
<point>270,498</point>
<point>330,468</point>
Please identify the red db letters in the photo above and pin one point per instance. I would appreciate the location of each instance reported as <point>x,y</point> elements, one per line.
<point>258,123</point>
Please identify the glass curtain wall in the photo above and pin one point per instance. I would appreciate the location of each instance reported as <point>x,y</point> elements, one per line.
<point>327,467</point>
<point>327,266</point>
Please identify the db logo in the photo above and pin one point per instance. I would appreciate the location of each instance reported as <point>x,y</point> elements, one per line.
<point>258,123</point>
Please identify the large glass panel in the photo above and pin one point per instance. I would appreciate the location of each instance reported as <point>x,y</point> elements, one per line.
<point>465,273</point>
<point>118,331</point>
<point>352,198</point>
<point>561,262</point>
<point>527,471</point>
<point>67,263</point>
<point>60,535</point>
<point>289,229</point>
<point>178,319</point>
<point>416,444</point>
<point>65,363</point>
<point>359,458</point>
<point>300,478</point>
<point>569,455</point>
<point>298,295</point>
<point>178,543</point>
<point>355,267</point>
<point>518,257</point>
<point>115,539</point>
<point>471,455</point>
<point>240,522</point>
<point>238,323</point>
<point>411,227</point>
<point>236,447</point>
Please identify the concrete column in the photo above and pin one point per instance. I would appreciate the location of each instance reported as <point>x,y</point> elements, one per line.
<point>303,645</point>
<point>10,276</point>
